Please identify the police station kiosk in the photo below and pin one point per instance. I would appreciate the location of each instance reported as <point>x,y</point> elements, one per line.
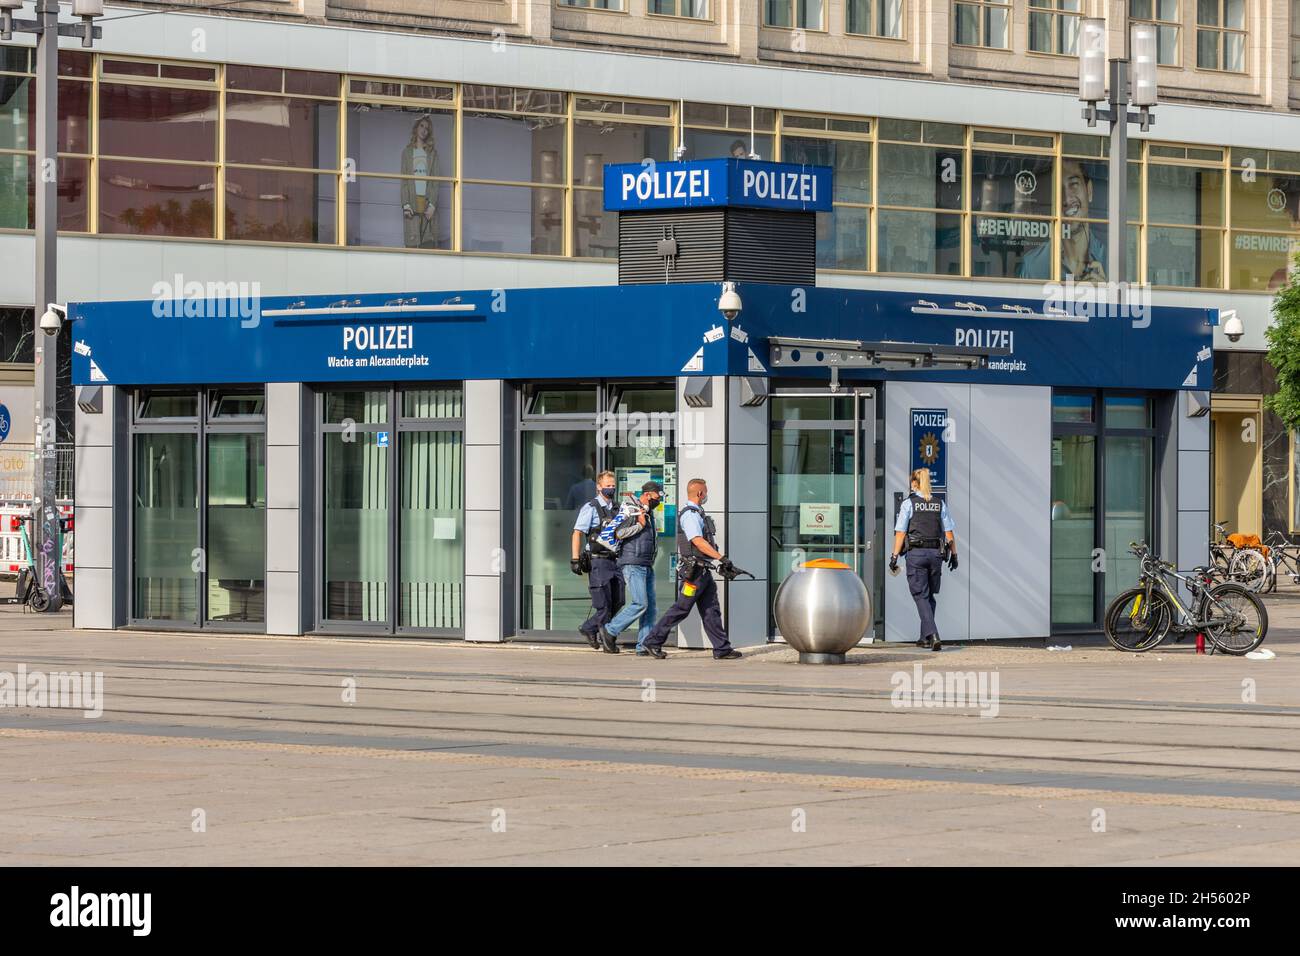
<point>410,463</point>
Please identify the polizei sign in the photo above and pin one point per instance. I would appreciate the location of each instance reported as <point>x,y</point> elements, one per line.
<point>718,182</point>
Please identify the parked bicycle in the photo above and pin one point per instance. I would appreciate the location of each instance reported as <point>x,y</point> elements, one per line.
<point>1228,614</point>
<point>1283,558</point>
<point>1247,566</point>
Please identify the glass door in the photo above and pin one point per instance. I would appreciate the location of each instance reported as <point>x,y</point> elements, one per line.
<point>822,497</point>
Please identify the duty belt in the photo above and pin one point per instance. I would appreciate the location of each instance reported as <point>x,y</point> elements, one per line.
<point>926,543</point>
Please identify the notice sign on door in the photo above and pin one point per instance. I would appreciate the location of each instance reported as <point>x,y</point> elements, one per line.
<point>928,447</point>
<point>819,519</point>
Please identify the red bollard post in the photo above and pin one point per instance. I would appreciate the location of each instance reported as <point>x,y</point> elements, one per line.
<point>1200,642</point>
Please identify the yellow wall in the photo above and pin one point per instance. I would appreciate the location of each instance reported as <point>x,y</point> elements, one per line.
<point>1238,490</point>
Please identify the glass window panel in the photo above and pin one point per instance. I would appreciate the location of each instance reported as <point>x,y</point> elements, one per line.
<point>202,74</point>
<point>1234,52</point>
<point>710,144</point>
<point>267,79</point>
<point>354,542</point>
<point>1262,261</point>
<point>566,401</point>
<point>378,213</point>
<point>157,122</point>
<point>1003,182</point>
<point>476,97</point>
<point>223,403</point>
<point>74,63</point>
<point>843,238</point>
<point>1184,257</point>
<point>778,13</point>
<point>1234,14</point>
<point>357,406</point>
<point>165,528</point>
<point>1074,501</point>
<point>1085,253</point>
<point>525,149</point>
<point>405,140</point>
<point>433,402</point>
<point>905,131</point>
<point>1077,409</point>
<point>153,199</point>
<point>1006,247</point>
<point>513,219</point>
<point>281,131</point>
<point>920,176</point>
<point>851,160</point>
<point>14,59</point>
<point>1207,12</point>
<point>17,114</point>
<point>595,231</point>
<point>1127,411</point>
<point>597,142</point>
<point>1207,49</point>
<point>129,68</point>
<point>1269,202</point>
<point>18,193</point>
<point>168,405</point>
<point>968,24</point>
<point>1185,195</point>
<point>1167,46</point>
<point>995,28</point>
<point>1140,9</point>
<point>431,530</point>
<point>272,205</point>
<point>920,242</point>
<point>236,528</point>
<point>558,476</point>
<point>1167,9</point>
<point>308,83</point>
<point>1128,508</point>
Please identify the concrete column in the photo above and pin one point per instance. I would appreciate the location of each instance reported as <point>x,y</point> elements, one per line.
<point>485,546</point>
<point>285,555</point>
<point>97,603</point>
<point>702,453</point>
<point>747,517</point>
<point>1193,486</point>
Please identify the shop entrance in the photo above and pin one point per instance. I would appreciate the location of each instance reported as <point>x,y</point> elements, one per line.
<point>825,486</point>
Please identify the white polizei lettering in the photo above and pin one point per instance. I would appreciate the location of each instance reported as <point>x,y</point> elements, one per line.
<point>803,188</point>
<point>706,183</point>
<point>748,180</point>
<point>349,336</point>
<point>814,187</point>
<point>628,182</point>
<point>695,183</point>
<point>643,186</point>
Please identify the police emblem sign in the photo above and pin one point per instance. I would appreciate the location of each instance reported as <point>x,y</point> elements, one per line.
<point>928,446</point>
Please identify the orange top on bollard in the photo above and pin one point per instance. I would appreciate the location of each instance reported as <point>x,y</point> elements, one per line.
<point>827,563</point>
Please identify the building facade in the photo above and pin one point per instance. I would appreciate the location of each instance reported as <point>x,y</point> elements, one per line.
<point>374,146</point>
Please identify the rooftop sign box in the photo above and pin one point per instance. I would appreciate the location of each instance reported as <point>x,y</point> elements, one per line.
<point>706,183</point>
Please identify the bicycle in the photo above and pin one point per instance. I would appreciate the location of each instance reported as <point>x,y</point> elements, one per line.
<point>1282,556</point>
<point>1139,619</point>
<point>1246,566</point>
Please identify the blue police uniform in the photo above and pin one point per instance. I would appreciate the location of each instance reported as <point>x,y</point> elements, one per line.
<point>604,583</point>
<point>698,590</point>
<point>925,523</point>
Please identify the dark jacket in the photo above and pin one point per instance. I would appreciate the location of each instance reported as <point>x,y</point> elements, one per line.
<point>641,548</point>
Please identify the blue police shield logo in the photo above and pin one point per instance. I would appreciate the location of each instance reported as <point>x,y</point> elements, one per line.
<point>381,439</point>
<point>928,446</point>
<point>4,422</point>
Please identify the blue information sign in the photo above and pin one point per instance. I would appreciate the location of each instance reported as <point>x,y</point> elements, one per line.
<point>718,182</point>
<point>5,422</point>
<point>928,446</point>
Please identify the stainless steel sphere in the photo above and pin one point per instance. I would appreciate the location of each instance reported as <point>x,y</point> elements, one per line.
<point>822,609</point>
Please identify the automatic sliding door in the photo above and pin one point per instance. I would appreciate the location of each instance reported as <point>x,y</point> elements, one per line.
<point>165,526</point>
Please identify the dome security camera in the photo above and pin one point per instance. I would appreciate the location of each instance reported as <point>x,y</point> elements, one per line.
<point>1232,325</point>
<point>729,303</point>
<point>51,320</point>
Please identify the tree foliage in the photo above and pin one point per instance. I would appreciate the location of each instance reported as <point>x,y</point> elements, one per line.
<point>1283,338</point>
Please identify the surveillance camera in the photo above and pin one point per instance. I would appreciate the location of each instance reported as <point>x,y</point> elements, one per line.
<point>729,303</point>
<point>51,321</point>
<point>1232,325</point>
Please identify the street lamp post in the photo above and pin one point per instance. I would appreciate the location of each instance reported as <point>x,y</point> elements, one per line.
<point>45,515</point>
<point>1092,90</point>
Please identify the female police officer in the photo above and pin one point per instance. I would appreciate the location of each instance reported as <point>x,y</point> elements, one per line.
<point>924,522</point>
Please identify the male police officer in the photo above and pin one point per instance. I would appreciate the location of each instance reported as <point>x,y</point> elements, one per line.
<point>696,543</point>
<point>636,563</point>
<point>603,579</point>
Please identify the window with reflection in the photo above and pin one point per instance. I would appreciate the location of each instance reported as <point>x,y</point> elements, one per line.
<point>1265,235</point>
<point>405,155</point>
<point>1185,216</point>
<point>843,235</point>
<point>1295,39</point>
<point>1163,14</point>
<point>800,14</point>
<point>921,177</point>
<point>593,4</point>
<point>874,18</point>
<point>281,142</point>
<point>714,130</point>
<point>610,131</point>
<point>1054,26</point>
<point>691,9</point>
<point>1221,35</point>
<point>514,149</point>
<point>984,23</point>
<point>1012,197</point>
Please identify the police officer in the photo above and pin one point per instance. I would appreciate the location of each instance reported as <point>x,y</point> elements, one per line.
<point>924,523</point>
<point>603,580</point>
<point>696,542</point>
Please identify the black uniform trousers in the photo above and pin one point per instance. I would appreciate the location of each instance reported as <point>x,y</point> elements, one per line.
<point>606,587</point>
<point>706,599</point>
<point>924,570</point>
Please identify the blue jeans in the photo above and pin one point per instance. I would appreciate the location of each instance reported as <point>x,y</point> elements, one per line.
<point>640,598</point>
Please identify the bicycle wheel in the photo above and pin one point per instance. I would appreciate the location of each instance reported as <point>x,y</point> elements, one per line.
<point>1249,568</point>
<point>1135,624</point>
<point>1236,621</point>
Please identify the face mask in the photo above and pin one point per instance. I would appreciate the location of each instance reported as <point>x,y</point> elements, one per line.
<point>607,492</point>
<point>704,500</point>
<point>652,504</point>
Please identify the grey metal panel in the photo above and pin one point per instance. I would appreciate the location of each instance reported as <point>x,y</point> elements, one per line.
<point>765,245</point>
<point>700,234</point>
<point>1007,555</point>
<point>1193,433</point>
<point>93,607</point>
<point>282,542</point>
<point>1193,481</point>
<point>94,475</point>
<point>282,589</point>
<point>94,528</point>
